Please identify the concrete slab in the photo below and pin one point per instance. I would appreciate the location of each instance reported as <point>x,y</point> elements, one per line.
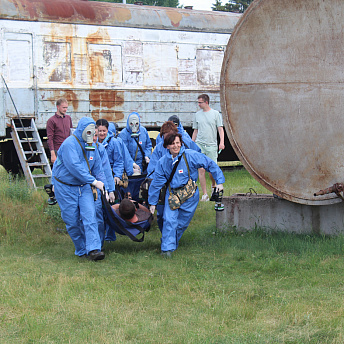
<point>267,212</point>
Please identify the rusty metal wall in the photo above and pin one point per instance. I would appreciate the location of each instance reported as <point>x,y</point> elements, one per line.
<point>282,96</point>
<point>142,62</point>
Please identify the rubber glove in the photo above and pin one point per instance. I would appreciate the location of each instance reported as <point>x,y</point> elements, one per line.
<point>147,159</point>
<point>152,209</point>
<point>98,184</point>
<point>117,180</point>
<point>112,197</point>
<point>107,196</point>
<point>219,187</point>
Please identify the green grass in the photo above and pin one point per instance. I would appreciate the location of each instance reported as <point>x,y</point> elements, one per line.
<point>219,287</point>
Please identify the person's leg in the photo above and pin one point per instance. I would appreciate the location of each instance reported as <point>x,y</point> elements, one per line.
<point>89,220</point>
<point>168,234</point>
<point>160,216</point>
<point>213,183</point>
<point>100,218</point>
<point>68,200</point>
<point>186,213</point>
<point>202,180</point>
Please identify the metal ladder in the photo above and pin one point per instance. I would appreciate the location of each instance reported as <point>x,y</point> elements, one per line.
<point>30,150</point>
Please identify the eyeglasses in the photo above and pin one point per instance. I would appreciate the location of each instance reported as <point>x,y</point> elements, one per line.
<point>201,102</point>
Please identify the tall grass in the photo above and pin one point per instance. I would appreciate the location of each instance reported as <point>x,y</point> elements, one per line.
<point>219,287</point>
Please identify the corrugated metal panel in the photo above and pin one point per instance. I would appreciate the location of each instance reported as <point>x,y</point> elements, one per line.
<point>282,96</point>
<point>111,14</point>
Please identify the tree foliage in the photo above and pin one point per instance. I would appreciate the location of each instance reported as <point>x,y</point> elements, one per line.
<point>238,6</point>
<point>164,3</point>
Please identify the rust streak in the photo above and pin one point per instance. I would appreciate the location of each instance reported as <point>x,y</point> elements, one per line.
<point>175,17</point>
<point>106,98</point>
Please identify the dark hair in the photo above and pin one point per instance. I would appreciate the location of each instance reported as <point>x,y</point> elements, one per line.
<point>174,119</point>
<point>170,137</point>
<point>102,122</point>
<point>127,209</point>
<point>61,101</point>
<point>167,127</point>
<point>205,98</point>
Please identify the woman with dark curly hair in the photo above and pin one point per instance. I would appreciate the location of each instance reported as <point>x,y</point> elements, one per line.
<point>188,162</point>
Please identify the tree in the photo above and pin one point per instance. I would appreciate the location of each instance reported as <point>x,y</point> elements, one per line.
<point>164,3</point>
<point>238,6</point>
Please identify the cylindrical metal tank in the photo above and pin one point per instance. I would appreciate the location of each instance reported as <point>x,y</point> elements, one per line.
<point>282,96</point>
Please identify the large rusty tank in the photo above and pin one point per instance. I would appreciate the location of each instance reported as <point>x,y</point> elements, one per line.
<point>282,96</point>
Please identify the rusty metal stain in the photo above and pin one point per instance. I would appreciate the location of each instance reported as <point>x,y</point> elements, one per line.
<point>109,115</point>
<point>281,96</point>
<point>112,14</point>
<point>100,36</point>
<point>106,98</point>
<point>175,17</point>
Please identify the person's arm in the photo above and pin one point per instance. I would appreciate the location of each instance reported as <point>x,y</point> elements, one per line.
<point>50,135</point>
<point>194,135</point>
<point>222,137</point>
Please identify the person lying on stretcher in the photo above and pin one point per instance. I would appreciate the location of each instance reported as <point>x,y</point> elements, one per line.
<point>131,211</point>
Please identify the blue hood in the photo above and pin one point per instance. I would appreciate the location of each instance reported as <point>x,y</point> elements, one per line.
<point>128,120</point>
<point>112,128</point>
<point>83,123</point>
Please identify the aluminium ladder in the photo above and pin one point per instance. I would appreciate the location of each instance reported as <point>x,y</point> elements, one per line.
<point>30,150</point>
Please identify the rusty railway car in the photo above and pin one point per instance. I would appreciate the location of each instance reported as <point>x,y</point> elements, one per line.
<point>107,60</point>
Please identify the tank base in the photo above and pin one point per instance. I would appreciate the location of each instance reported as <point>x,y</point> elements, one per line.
<point>269,213</point>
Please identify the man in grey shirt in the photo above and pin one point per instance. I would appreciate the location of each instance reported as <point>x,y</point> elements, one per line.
<point>206,123</point>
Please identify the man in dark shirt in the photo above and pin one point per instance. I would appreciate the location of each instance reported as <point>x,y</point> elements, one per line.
<point>58,127</point>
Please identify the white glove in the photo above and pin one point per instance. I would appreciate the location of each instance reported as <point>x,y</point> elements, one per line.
<point>112,197</point>
<point>136,166</point>
<point>107,196</point>
<point>117,180</point>
<point>219,187</point>
<point>152,209</point>
<point>98,184</point>
<point>147,159</point>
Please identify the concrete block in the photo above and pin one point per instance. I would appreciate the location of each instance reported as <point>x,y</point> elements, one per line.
<point>270,213</point>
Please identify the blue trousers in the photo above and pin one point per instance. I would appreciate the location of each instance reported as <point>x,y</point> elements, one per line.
<point>79,214</point>
<point>176,222</point>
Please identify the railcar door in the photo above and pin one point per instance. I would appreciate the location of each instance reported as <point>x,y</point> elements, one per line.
<point>17,69</point>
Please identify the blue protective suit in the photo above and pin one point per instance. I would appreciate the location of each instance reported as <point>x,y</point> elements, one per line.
<point>158,152</point>
<point>131,143</point>
<point>109,186</point>
<point>176,221</point>
<point>185,136</point>
<point>114,151</point>
<point>72,184</point>
<point>127,159</point>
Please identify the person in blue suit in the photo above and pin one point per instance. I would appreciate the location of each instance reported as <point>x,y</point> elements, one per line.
<point>112,147</point>
<point>160,151</point>
<point>176,221</point>
<point>130,166</point>
<point>109,187</point>
<point>135,136</point>
<point>77,168</point>
<point>186,137</point>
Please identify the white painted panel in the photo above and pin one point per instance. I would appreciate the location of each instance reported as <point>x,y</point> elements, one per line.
<point>209,64</point>
<point>105,63</point>
<point>57,62</point>
<point>18,62</point>
<point>160,65</point>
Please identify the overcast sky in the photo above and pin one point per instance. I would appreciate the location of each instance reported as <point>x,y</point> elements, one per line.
<point>204,5</point>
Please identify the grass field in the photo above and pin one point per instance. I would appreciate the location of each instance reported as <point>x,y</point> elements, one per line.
<point>219,287</point>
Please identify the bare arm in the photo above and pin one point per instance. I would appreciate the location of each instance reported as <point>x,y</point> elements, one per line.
<point>222,137</point>
<point>194,135</point>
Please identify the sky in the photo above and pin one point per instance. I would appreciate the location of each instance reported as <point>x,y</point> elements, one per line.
<point>204,5</point>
